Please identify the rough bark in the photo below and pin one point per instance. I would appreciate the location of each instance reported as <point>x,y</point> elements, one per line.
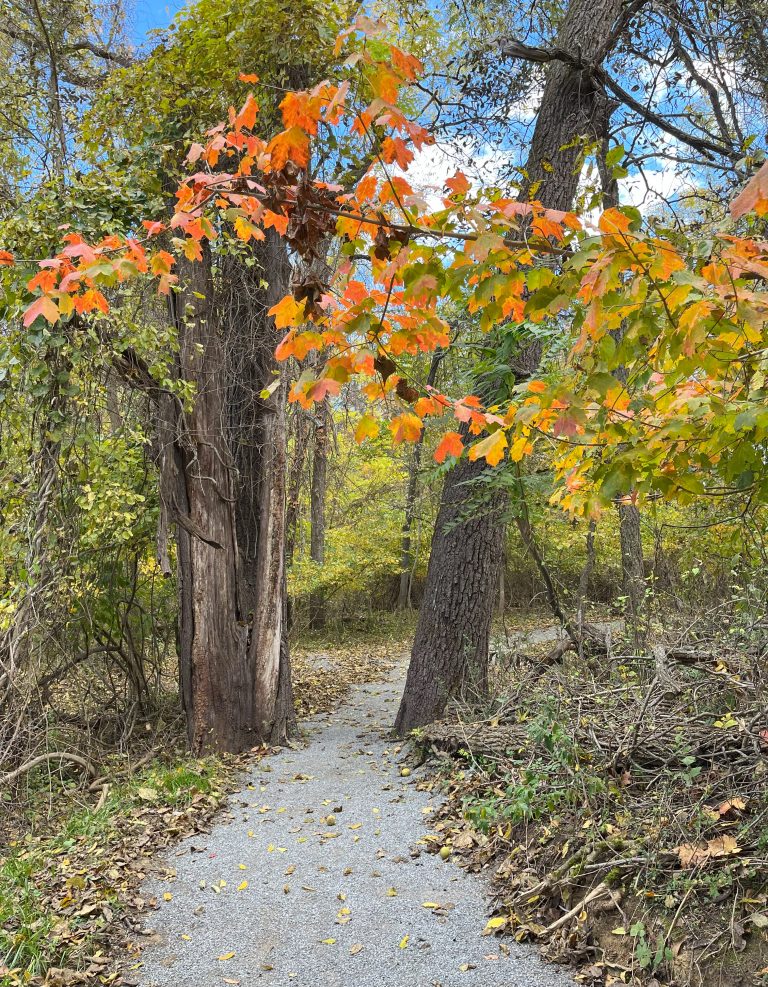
<point>571,106</point>
<point>223,484</point>
<point>450,649</point>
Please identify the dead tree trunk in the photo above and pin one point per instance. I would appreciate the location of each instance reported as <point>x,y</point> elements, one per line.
<point>572,105</point>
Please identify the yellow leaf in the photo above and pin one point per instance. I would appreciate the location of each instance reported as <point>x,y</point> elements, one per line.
<point>429,904</point>
<point>497,922</point>
<point>225,956</point>
<point>328,942</point>
<point>167,896</point>
<point>242,886</point>
<point>367,428</point>
<point>404,942</point>
<point>491,448</point>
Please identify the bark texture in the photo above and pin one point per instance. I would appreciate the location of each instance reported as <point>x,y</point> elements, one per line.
<point>632,565</point>
<point>465,560</point>
<point>223,485</point>
<point>450,650</point>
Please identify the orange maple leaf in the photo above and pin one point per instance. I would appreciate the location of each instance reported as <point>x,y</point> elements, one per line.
<point>406,427</point>
<point>290,145</point>
<point>450,445</point>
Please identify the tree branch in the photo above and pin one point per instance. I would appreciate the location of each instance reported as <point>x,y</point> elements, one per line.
<point>513,48</point>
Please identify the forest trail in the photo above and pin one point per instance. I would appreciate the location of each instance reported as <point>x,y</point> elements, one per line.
<point>340,905</point>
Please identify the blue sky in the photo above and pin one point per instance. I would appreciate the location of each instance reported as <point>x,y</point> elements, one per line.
<point>150,14</point>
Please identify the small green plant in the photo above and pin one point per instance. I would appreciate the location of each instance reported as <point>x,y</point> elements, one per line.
<point>648,954</point>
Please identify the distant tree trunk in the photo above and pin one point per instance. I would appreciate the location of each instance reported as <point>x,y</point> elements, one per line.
<point>450,650</point>
<point>317,507</point>
<point>571,106</point>
<point>502,600</point>
<point>301,430</point>
<point>406,550</point>
<point>632,565</point>
<point>223,484</point>
<point>630,536</point>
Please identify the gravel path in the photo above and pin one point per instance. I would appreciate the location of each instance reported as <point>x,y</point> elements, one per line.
<point>334,905</point>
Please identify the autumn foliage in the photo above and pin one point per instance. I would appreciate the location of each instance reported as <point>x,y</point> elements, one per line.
<point>664,388</point>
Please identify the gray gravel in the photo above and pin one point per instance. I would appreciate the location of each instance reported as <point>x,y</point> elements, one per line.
<point>303,875</point>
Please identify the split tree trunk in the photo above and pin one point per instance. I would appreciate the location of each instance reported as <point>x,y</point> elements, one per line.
<point>223,484</point>
<point>465,560</point>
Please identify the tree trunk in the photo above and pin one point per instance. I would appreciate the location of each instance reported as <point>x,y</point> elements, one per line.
<point>571,106</point>
<point>406,549</point>
<point>223,484</point>
<point>632,565</point>
<point>450,649</point>
<point>317,507</point>
<point>301,421</point>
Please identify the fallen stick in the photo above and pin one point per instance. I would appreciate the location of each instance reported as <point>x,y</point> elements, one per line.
<point>599,892</point>
<point>41,759</point>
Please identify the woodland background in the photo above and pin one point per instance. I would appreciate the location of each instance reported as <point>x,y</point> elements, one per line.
<point>145,571</point>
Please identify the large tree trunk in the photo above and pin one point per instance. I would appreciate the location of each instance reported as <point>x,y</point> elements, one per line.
<point>450,650</point>
<point>223,484</point>
<point>571,106</point>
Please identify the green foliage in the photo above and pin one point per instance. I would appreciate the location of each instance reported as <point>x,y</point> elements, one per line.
<point>364,520</point>
<point>36,871</point>
<point>540,786</point>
